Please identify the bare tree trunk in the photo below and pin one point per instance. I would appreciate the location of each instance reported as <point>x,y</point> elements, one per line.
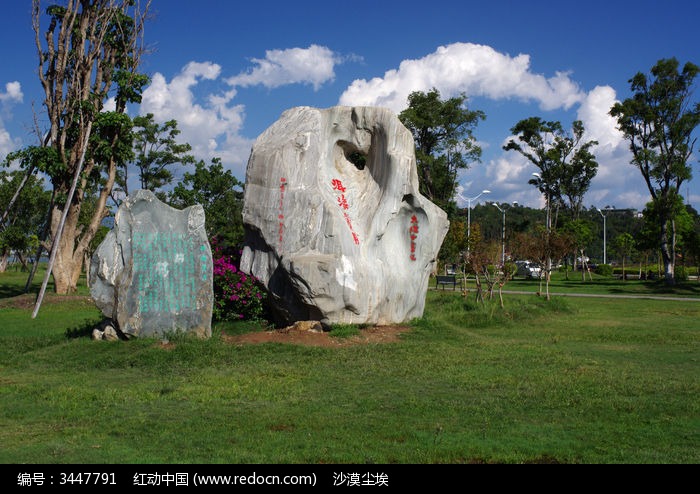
<point>667,255</point>
<point>41,248</point>
<point>35,266</point>
<point>479,290</point>
<point>28,173</point>
<point>22,261</point>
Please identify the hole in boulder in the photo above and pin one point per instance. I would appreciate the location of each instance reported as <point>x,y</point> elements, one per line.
<point>358,159</point>
<point>353,155</point>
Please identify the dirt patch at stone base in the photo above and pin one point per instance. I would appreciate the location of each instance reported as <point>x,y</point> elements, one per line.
<point>28,300</point>
<point>371,335</point>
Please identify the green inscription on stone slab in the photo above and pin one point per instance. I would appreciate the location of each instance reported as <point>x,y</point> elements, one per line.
<point>166,266</point>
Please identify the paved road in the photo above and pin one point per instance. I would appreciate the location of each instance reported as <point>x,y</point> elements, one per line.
<point>604,295</point>
<point>592,295</point>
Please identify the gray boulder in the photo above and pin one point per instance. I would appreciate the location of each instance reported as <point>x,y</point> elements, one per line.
<point>335,225</point>
<point>152,274</point>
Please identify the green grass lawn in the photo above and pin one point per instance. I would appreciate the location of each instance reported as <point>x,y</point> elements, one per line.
<point>570,381</point>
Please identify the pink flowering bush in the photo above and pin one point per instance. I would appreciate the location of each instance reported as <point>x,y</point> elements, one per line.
<point>236,294</point>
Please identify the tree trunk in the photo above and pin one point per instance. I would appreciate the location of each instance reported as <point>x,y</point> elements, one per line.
<point>3,261</point>
<point>68,265</point>
<point>65,264</point>
<point>667,255</point>
<point>479,291</point>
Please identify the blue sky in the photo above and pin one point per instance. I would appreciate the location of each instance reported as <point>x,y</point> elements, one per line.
<point>226,70</point>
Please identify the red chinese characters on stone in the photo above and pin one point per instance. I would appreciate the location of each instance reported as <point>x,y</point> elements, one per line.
<point>337,185</point>
<point>343,204</point>
<point>280,216</point>
<point>413,233</point>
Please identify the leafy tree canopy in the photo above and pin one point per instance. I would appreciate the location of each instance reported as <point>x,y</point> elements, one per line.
<point>565,161</point>
<point>221,196</point>
<point>444,139</point>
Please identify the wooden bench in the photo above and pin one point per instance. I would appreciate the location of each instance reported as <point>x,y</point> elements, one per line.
<point>446,280</point>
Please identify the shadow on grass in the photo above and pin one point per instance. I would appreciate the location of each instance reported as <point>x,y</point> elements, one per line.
<point>8,291</point>
<point>83,330</point>
<point>659,287</point>
<point>681,288</point>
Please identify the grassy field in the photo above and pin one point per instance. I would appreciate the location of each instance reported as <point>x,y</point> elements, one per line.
<point>569,381</point>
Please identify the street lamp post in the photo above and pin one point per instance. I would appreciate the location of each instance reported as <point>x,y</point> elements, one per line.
<point>469,213</point>
<point>503,235</point>
<point>503,231</point>
<point>605,259</point>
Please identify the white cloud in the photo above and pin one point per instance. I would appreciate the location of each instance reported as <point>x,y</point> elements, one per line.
<point>211,126</point>
<point>110,104</point>
<point>313,65</point>
<point>476,70</point>
<point>507,177</point>
<point>13,93</point>
<point>509,169</point>
<point>617,183</point>
<point>594,112</point>
<point>7,144</point>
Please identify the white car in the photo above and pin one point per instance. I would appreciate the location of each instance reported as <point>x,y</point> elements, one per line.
<point>528,269</point>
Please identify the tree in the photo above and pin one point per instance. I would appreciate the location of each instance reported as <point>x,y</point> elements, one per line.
<point>691,240</point>
<point>445,144</point>
<point>564,159</point>
<point>20,229</point>
<point>580,234</point>
<point>576,175</point>
<point>455,244</point>
<point>221,196</point>
<point>156,150</point>
<point>91,51</point>
<point>542,246</point>
<point>624,245</point>
<point>680,223</point>
<point>659,121</point>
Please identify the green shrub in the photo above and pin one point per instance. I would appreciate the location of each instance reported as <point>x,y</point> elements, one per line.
<point>681,273</point>
<point>604,270</point>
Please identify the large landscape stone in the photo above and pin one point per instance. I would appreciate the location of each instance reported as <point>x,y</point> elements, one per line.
<point>335,225</point>
<point>152,274</point>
